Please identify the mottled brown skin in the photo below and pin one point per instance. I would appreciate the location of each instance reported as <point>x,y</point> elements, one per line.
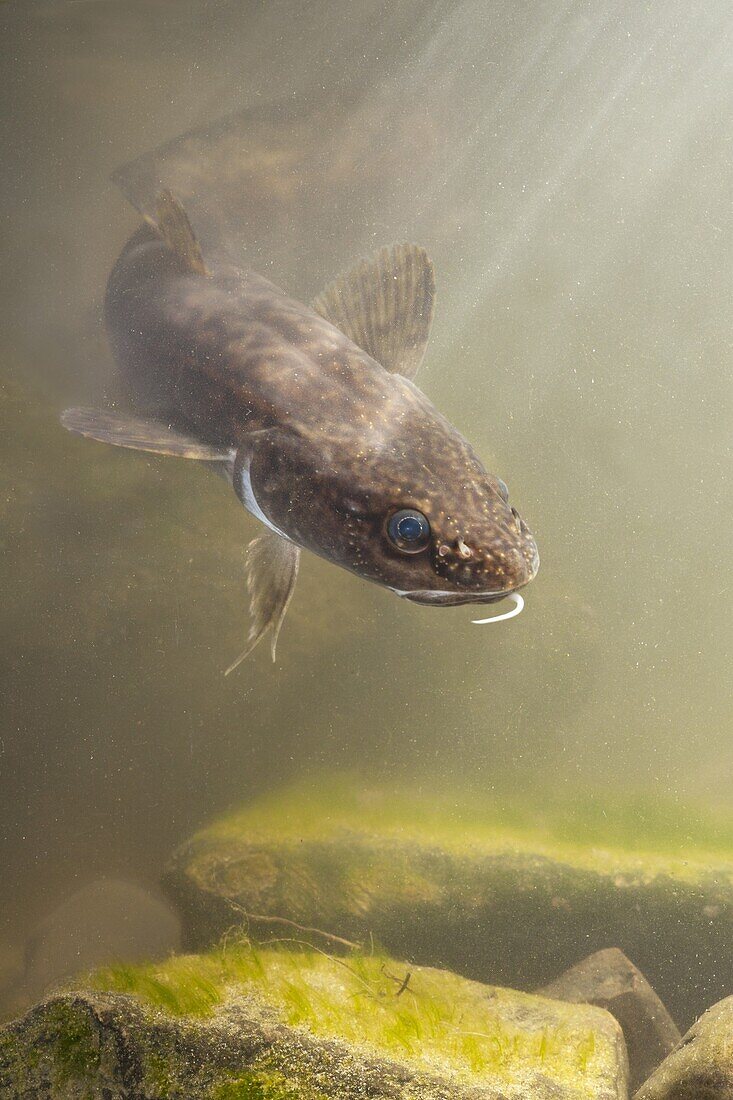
<point>333,442</point>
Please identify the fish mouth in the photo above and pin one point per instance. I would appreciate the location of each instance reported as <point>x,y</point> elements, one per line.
<point>453,599</point>
<point>436,597</point>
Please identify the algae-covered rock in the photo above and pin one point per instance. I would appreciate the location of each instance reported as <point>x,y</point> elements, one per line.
<point>611,981</point>
<point>290,1024</point>
<point>701,1067</point>
<point>467,886</point>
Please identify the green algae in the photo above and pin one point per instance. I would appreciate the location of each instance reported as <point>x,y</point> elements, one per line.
<point>77,1051</point>
<point>64,1050</point>
<point>497,891</point>
<point>159,1073</point>
<point>635,830</point>
<point>289,1023</point>
<point>259,1085</point>
<point>435,1021</point>
<point>183,986</point>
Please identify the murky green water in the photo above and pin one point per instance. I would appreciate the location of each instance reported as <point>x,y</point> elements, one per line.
<point>566,166</point>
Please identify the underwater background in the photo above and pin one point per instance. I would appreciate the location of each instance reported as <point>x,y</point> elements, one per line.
<point>566,165</point>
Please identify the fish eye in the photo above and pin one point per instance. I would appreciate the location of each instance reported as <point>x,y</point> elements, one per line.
<point>408,530</point>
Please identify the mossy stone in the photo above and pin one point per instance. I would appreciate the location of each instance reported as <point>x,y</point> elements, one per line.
<point>479,889</point>
<point>241,1023</point>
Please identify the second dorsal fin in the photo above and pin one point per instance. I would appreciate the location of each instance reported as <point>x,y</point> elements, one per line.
<point>174,227</point>
<point>385,305</point>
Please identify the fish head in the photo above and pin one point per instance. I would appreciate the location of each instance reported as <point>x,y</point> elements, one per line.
<point>421,517</point>
<point>459,541</point>
<point>438,528</point>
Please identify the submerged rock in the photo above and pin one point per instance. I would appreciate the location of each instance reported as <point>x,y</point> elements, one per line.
<point>452,884</point>
<point>104,921</point>
<point>701,1067</point>
<point>611,981</point>
<point>245,1024</point>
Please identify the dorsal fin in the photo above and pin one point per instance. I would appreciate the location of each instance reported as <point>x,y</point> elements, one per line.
<point>174,227</point>
<point>385,305</point>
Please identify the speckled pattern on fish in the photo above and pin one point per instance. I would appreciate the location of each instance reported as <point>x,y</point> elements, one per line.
<point>324,440</point>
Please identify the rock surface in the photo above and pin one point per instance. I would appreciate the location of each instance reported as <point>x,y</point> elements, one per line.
<point>447,884</point>
<point>245,1024</point>
<point>701,1067</point>
<point>611,981</point>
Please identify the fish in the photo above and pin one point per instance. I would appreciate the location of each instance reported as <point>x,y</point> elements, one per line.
<point>312,414</point>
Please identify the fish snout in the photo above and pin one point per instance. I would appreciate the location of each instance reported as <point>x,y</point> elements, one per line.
<point>521,559</point>
<point>508,569</point>
<point>502,564</point>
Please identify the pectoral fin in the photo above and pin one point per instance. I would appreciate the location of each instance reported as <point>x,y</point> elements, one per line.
<point>140,435</point>
<point>272,569</point>
<point>385,305</point>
